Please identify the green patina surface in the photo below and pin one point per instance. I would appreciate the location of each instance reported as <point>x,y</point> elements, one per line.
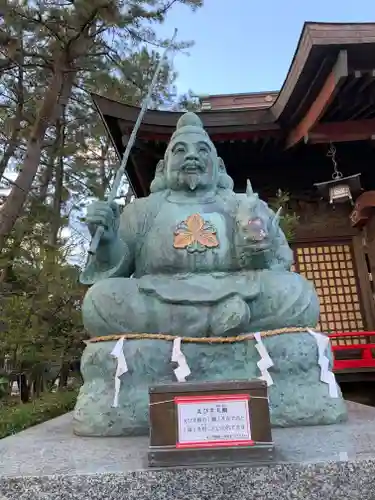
<point>196,259</point>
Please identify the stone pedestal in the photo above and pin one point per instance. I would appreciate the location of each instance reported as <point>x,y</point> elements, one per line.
<point>324,462</point>
<point>297,397</point>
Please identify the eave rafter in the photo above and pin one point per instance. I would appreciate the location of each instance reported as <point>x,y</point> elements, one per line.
<point>329,89</point>
<point>346,131</point>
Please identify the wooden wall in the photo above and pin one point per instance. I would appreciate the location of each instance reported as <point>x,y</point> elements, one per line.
<point>330,252</point>
<point>319,220</point>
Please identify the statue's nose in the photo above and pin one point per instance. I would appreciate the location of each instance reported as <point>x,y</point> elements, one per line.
<point>191,155</point>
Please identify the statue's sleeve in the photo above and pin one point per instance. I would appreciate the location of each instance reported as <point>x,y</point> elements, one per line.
<point>116,258</point>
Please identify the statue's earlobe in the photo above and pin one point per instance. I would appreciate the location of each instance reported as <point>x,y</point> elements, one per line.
<point>158,184</point>
<point>224,181</point>
<point>221,166</point>
<point>159,167</point>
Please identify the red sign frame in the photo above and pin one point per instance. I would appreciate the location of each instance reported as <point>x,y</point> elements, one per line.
<point>215,398</point>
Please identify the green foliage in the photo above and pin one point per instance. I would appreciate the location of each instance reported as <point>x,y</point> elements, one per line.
<point>101,46</point>
<point>289,219</point>
<point>16,418</point>
<point>4,386</point>
<point>40,308</point>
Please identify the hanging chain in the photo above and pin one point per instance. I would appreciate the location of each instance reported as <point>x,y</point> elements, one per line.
<point>332,154</point>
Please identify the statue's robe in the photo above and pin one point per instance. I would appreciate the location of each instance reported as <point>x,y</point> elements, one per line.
<point>145,275</point>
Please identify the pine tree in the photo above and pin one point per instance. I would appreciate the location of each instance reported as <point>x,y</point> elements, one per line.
<point>70,42</point>
<point>52,55</point>
<point>288,219</point>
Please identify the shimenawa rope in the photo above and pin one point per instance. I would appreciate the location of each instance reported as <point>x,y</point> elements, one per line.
<point>197,340</point>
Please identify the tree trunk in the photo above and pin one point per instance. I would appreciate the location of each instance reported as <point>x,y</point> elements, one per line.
<point>61,84</point>
<point>64,375</point>
<point>58,185</point>
<point>59,90</point>
<point>23,387</point>
<point>13,140</point>
<point>38,385</point>
<point>46,178</point>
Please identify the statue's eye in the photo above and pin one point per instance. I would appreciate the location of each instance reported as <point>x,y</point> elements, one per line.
<point>255,223</point>
<point>179,149</point>
<point>203,151</point>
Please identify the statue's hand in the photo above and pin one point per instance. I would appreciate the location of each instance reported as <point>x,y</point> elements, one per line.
<point>101,213</point>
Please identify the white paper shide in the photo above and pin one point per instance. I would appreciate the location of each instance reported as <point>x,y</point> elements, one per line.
<point>182,371</point>
<point>326,375</point>
<point>122,367</point>
<point>265,361</point>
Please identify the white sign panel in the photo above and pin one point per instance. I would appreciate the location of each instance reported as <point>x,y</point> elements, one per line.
<point>208,421</point>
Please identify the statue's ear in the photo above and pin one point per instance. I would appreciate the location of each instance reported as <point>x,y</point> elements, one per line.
<point>158,184</point>
<point>159,168</point>
<point>224,181</point>
<point>221,165</point>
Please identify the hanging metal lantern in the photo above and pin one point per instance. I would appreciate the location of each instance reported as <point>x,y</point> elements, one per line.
<point>340,189</point>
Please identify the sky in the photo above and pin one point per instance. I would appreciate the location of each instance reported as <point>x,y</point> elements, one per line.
<point>248,45</point>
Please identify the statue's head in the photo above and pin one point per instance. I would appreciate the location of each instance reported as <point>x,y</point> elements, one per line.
<point>190,162</point>
<point>256,223</point>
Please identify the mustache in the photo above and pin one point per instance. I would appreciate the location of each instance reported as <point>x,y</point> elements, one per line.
<point>193,164</point>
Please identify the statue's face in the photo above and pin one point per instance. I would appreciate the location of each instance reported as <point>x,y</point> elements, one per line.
<point>191,163</point>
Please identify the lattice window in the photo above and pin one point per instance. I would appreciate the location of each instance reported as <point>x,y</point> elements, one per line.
<point>331,268</point>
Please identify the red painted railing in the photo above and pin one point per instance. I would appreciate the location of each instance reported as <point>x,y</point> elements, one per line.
<point>365,357</point>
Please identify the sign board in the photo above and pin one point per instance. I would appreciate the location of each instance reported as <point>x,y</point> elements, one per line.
<point>200,423</point>
<point>213,421</point>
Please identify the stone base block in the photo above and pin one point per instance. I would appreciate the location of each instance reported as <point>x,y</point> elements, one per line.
<point>297,397</point>
<point>335,462</point>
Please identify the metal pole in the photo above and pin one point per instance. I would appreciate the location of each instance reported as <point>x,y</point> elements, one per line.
<point>120,172</point>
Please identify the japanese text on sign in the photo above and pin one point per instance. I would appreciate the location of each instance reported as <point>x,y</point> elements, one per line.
<point>213,420</point>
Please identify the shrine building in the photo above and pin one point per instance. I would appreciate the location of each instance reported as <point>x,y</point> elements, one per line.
<point>321,121</point>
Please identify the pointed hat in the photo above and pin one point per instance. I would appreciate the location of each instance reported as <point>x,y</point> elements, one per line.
<point>189,122</point>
